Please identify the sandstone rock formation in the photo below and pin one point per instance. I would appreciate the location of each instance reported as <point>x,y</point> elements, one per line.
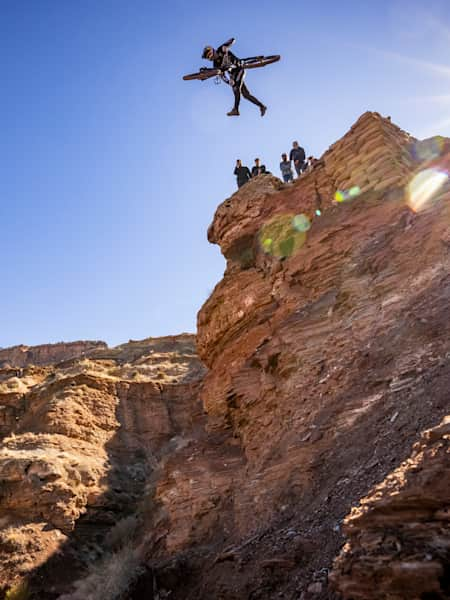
<point>46,354</point>
<point>326,349</point>
<point>327,346</point>
<point>80,440</point>
<point>398,537</point>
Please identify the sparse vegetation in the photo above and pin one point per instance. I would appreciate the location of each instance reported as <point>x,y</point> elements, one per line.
<point>13,539</point>
<point>110,578</point>
<point>19,591</point>
<point>122,533</point>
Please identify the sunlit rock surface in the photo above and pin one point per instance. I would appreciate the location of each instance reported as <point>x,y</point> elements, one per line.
<point>80,440</point>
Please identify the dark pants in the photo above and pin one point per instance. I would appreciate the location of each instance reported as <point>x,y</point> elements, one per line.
<point>299,167</point>
<point>241,182</point>
<point>238,86</point>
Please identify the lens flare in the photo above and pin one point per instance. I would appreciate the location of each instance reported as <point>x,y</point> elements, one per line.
<point>428,149</point>
<point>318,212</point>
<point>424,187</point>
<point>280,237</point>
<point>301,223</point>
<point>344,195</point>
<point>354,191</point>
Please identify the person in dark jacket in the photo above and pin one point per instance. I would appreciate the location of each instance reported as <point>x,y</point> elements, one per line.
<point>242,174</point>
<point>229,63</point>
<point>285,168</point>
<point>258,169</point>
<point>297,155</point>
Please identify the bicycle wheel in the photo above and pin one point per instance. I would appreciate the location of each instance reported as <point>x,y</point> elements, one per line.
<point>202,75</point>
<point>259,61</point>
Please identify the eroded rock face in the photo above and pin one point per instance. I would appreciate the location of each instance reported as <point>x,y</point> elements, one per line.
<point>80,441</point>
<point>46,354</point>
<point>399,536</point>
<point>327,343</point>
<point>327,349</point>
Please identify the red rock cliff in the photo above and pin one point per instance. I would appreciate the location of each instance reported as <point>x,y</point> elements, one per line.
<point>327,345</point>
<point>46,354</point>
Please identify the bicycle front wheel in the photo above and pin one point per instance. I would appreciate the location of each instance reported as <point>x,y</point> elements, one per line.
<point>260,61</point>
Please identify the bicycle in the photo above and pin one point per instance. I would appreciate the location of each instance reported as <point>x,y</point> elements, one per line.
<point>252,62</point>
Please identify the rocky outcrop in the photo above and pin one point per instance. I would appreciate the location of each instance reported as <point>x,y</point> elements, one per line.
<point>399,537</point>
<point>326,343</point>
<point>83,438</point>
<point>46,354</point>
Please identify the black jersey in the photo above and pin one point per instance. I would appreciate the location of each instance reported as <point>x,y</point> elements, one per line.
<point>224,58</point>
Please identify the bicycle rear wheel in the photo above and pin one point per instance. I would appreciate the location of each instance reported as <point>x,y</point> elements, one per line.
<point>259,61</point>
<point>202,75</point>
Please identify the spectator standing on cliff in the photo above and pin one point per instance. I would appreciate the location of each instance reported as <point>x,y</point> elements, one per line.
<point>258,169</point>
<point>242,173</point>
<point>310,163</point>
<point>286,169</point>
<point>297,155</point>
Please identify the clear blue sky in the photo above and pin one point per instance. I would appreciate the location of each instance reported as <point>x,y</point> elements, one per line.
<point>111,166</point>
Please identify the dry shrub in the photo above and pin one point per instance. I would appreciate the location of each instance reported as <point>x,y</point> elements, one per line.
<point>109,578</point>
<point>14,539</point>
<point>122,533</point>
<point>20,591</point>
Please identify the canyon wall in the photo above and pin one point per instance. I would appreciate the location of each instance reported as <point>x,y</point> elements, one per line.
<point>327,344</point>
<point>80,440</point>
<point>46,354</point>
<point>310,459</point>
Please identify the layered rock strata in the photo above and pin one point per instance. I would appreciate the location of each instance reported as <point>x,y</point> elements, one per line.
<point>326,346</point>
<point>327,343</point>
<point>80,443</point>
<point>399,536</point>
<point>46,354</point>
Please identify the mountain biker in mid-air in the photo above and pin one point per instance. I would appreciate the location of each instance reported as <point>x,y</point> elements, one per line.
<point>230,64</point>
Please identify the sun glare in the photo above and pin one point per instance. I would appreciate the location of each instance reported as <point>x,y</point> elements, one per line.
<point>424,187</point>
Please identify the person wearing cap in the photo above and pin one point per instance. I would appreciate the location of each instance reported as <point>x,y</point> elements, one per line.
<point>258,169</point>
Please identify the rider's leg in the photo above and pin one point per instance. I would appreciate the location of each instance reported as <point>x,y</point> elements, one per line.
<point>237,96</point>
<point>236,79</point>
<point>248,96</point>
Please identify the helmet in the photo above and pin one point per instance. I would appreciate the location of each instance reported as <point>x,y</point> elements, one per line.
<point>208,52</point>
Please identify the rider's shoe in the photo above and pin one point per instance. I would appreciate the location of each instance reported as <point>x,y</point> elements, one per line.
<point>263,110</point>
<point>233,113</point>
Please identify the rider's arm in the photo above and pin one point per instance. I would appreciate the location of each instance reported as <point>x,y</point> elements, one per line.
<point>228,43</point>
<point>223,48</point>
